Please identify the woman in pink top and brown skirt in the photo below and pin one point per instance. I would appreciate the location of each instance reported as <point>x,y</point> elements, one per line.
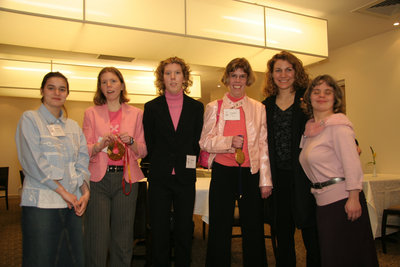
<point>331,162</point>
<point>235,135</point>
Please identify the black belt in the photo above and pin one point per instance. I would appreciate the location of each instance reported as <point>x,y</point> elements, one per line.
<point>112,168</point>
<point>330,182</point>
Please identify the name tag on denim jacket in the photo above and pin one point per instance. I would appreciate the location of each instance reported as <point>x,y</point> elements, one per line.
<point>55,130</point>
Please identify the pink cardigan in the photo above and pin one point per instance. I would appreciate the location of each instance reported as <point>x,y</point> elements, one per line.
<point>96,123</point>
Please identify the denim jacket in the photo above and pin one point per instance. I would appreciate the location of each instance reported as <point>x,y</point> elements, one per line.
<point>46,158</point>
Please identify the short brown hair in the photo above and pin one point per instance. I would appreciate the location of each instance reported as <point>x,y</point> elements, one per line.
<point>99,98</point>
<point>159,73</point>
<point>338,105</point>
<point>239,63</point>
<point>301,80</point>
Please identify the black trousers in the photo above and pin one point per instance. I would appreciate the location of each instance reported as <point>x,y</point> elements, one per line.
<point>223,193</point>
<point>165,197</point>
<point>285,226</point>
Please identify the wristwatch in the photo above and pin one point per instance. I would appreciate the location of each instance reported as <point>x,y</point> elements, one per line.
<point>131,141</point>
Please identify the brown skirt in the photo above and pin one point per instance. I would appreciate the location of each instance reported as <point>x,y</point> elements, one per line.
<point>343,242</point>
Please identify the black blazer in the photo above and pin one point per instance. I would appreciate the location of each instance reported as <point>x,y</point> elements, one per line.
<point>167,148</point>
<point>303,204</point>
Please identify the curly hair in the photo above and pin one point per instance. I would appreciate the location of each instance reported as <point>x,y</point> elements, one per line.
<point>239,63</point>
<point>338,105</point>
<point>99,98</point>
<point>301,80</point>
<point>159,73</point>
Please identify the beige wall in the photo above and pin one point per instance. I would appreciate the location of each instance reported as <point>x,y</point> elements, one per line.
<point>371,70</point>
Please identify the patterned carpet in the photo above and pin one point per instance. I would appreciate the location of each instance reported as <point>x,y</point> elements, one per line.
<point>11,244</point>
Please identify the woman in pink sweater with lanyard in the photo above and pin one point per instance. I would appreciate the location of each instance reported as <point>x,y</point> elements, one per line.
<point>236,139</point>
<point>331,162</point>
<point>115,137</point>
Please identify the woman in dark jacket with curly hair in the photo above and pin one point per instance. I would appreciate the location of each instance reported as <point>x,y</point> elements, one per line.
<point>292,204</point>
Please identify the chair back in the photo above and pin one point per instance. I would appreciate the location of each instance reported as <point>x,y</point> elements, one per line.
<point>22,176</point>
<point>3,178</point>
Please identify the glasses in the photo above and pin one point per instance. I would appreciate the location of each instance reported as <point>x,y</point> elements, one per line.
<point>236,76</point>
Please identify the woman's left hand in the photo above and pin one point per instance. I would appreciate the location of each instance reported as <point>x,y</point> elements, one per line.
<point>82,204</point>
<point>83,201</point>
<point>125,138</point>
<point>266,191</point>
<point>353,206</point>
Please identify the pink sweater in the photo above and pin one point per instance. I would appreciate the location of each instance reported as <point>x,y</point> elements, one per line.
<point>329,151</point>
<point>175,103</point>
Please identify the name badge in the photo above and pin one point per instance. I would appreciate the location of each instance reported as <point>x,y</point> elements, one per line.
<point>231,114</point>
<point>190,162</point>
<point>55,130</point>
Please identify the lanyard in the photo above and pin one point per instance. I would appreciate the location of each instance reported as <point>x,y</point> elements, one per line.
<point>239,157</point>
<point>126,167</point>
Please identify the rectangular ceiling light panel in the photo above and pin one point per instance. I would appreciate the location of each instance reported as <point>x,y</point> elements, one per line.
<point>226,20</point>
<point>158,15</point>
<point>295,32</point>
<point>60,8</point>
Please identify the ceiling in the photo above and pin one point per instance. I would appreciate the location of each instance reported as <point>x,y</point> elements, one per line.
<point>43,37</point>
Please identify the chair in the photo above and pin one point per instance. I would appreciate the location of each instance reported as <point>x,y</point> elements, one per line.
<point>22,177</point>
<point>394,210</point>
<point>4,183</point>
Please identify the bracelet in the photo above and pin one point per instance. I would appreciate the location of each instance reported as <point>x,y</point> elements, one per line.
<point>131,141</point>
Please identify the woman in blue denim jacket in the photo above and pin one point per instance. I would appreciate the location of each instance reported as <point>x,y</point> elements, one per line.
<point>53,154</point>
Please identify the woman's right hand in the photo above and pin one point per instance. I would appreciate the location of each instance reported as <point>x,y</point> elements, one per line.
<point>70,199</point>
<point>105,141</point>
<point>237,141</point>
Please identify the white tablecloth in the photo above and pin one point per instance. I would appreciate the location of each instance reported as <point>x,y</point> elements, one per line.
<point>201,202</point>
<point>381,192</point>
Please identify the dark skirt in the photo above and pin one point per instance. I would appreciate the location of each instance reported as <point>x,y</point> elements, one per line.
<point>343,242</point>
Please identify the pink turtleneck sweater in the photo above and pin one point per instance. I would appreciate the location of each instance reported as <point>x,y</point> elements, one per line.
<point>175,103</point>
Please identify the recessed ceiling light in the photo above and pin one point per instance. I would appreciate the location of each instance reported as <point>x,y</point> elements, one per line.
<point>396,24</point>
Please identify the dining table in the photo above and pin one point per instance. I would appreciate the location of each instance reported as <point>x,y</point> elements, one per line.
<point>381,192</point>
<point>201,200</point>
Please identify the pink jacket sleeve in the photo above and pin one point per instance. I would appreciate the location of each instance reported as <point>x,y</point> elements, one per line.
<point>210,140</point>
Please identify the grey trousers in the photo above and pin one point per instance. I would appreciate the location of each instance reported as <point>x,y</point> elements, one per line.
<point>109,221</point>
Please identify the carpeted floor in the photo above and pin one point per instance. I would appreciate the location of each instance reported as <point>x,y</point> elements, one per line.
<point>11,244</point>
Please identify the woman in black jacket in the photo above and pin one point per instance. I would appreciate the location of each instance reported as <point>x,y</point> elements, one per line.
<point>292,204</point>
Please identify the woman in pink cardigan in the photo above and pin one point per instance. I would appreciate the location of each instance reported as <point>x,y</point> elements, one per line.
<point>115,137</point>
<point>331,162</point>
